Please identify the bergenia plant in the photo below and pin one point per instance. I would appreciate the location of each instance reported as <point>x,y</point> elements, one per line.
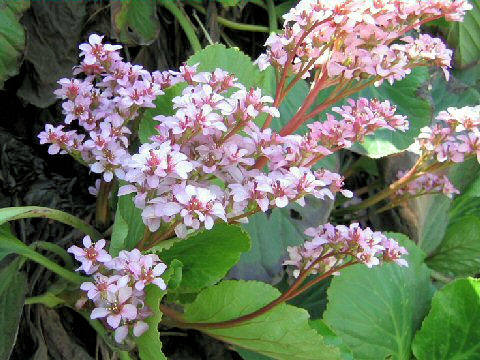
<point>212,159</point>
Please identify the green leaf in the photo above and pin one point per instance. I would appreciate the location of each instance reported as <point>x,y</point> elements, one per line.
<point>433,220</point>
<point>331,338</point>
<point>435,213</point>
<point>314,300</point>
<point>26,212</point>
<point>284,7</point>
<point>163,106</point>
<point>208,255</point>
<point>404,94</point>
<point>13,286</point>
<point>250,355</point>
<point>453,92</point>
<point>128,228</point>
<point>272,233</point>
<point>459,252</point>
<point>149,344</point>
<point>135,22</point>
<point>10,244</point>
<point>5,232</point>
<point>451,331</point>
<point>464,37</point>
<point>12,37</point>
<point>377,311</point>
<point>229,59</point>
<point>281,333</point>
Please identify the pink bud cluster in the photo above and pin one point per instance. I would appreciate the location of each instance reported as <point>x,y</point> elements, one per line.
<point>201,167</point>
<point>103,102</point>
<point>118,287</point>
<point>353,39</point>
<point>455,136</point>
<point>333,246</point>
<point>359,119</point>
<point>427,184</point>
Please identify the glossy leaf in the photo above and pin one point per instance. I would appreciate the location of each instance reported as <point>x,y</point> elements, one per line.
<point>377,311</point>
<point>459,252</point>
<point>282,333</point>
<point>331,338</point>
<point>135,22</point>
<point>12,37</point>
<point>451,331</point>
<point>208,255</point>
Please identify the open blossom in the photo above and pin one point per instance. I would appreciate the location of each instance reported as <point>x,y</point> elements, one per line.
<point>91,256</point>
<point>118,286</point>
<point>455,136</point>
<point>332,246</point>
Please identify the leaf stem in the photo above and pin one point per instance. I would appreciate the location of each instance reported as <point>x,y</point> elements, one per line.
<point>102,211</point>
<point>184,22</point>
<point>16,246</point>
<point>231,24</point>
<point>272,16</point>
<point>294,291</point>
<point>57,250</point>
<point>385,193</point>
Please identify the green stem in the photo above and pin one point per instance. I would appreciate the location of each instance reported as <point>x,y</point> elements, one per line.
<point>123,355</point>
<point>16,246</point>
<point>184,23</point>
<point>54,248</point>
<point>232,24</point>
<point>272,16</point>
<point>26,212</point>
<point>385,193</point>
<point>49,300</point>
<point>258,3</point>
<point>102,213</point>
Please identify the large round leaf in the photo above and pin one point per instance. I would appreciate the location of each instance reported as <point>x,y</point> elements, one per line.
<point>451,331</point>
<point>377,311</point>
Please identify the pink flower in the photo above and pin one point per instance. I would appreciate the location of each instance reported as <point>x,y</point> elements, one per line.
<point>117,308</point>
<point>91,255</point>
<point>103,286</point>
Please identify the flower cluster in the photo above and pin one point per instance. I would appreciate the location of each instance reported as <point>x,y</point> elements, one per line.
<point>172,176</point>
<point>427,184</point>
<point>353,39</point>
<point>118,287</point>
<point>360,118</point>
<point>454,137</point>
<point>333,246</point>
<point>103,102</point>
